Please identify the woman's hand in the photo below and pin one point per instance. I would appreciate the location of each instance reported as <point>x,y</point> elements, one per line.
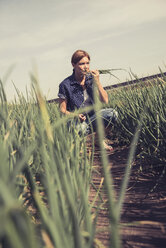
<point>82,117</point>
<point>95,74</point>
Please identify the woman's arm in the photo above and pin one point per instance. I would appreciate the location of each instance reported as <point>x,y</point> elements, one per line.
<point>63,106</point>
<point>63,109</point>
<point>102,93</point>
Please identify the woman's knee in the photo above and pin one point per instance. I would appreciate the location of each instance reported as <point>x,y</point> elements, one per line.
<point>109,114</point>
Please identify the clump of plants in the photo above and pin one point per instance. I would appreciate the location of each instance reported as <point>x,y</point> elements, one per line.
<point>144,102</point>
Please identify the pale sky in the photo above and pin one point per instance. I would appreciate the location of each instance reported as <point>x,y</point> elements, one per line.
<point>128,34</point>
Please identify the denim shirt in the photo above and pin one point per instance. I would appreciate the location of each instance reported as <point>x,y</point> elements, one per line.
<point>72,91</point>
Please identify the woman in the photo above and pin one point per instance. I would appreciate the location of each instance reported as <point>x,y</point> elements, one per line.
<point>76,91</point>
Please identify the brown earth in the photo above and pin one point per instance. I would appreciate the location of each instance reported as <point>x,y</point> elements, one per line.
<point>144,210</point>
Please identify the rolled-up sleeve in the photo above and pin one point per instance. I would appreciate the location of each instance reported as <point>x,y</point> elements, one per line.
<point>62,92</point>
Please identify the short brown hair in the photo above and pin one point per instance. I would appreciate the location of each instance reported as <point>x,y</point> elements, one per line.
<point>78,55</point>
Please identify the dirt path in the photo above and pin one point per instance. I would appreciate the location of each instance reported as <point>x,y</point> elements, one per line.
<point>141,205</point>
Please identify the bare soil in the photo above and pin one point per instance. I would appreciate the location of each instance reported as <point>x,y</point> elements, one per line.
<point>143,220</point>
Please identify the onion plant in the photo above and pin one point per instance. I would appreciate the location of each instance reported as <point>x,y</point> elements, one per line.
<point>146,101</point>
<point>35,146</point>
<point>40,157</point>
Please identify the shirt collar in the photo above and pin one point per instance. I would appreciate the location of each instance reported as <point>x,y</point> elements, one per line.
<point>73,79</point>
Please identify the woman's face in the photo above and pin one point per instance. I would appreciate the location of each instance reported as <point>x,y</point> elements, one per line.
<point>82,67</point>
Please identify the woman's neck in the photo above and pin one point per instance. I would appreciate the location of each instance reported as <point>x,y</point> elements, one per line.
<point>80,79</point>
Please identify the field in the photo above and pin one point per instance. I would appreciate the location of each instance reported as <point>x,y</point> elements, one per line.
<point>56,188</point>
